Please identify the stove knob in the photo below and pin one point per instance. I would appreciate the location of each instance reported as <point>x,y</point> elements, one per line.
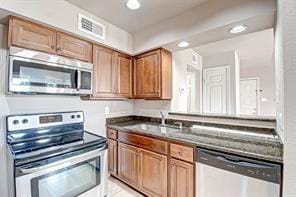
<point>25,121</point>
<point>78,116</point>
<point>73,116</point>
<point>15,122</point>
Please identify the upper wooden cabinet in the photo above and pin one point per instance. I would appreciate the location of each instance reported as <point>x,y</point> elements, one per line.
<point>153,75</point>
<point>112,74</point>
<point>37,37</point>
<point>124,73</point>
<point>72,47</point>
<point>32,36</point>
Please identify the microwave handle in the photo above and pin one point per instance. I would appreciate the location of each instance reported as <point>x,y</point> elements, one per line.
<point>78,80</point>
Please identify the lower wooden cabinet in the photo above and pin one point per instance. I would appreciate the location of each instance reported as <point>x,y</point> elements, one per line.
<point>153,173</point>
<point>128,163</point>
<point>112,156</point>
<point>181,179</point>
<point>146,164</point>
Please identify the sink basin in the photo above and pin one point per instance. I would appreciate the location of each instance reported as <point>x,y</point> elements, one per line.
<point>153,128</point>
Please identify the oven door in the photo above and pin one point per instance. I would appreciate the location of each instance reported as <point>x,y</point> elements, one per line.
<point>35,76</point>
<point>82,175</point>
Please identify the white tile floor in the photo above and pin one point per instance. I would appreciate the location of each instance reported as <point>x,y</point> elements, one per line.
<point>119,189</point>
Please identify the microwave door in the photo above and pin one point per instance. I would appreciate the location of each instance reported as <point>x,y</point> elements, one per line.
<point>32,76</point>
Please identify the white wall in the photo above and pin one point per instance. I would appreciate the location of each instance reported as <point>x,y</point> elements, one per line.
<point>94,110</point>
<point>266,75</point>
<point>226,59</point>
<point>63,15</point>
<point>285,54</point>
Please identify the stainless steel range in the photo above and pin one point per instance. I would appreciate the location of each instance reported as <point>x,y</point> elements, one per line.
<point>50,155</point>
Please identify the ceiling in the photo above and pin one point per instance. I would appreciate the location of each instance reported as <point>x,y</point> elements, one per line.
<point>151,11</point>
<point>254,47</point>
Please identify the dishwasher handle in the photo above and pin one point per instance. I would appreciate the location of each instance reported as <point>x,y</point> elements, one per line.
<point>237,164</point>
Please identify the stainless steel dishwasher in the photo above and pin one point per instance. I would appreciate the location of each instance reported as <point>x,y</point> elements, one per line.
<point>224,175</point>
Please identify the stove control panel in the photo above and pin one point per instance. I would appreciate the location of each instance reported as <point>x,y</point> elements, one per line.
<point>32,121</point>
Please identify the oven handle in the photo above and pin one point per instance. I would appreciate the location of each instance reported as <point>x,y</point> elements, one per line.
<point>62,163</point>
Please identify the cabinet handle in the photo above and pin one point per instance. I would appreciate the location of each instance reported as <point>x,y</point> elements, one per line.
<point>180,153</point>
<point>59,48</point>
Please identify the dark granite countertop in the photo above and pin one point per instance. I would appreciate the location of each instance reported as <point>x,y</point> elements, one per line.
<point>263,146</point>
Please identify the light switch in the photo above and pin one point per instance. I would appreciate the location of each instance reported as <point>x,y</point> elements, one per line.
<point>107,110</point>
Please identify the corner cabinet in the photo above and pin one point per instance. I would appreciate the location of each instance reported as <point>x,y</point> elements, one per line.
<point>33,36</point>
<point>112,74</point>
<point>153,75</point>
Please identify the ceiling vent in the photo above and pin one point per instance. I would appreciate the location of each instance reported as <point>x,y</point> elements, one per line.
<point>90,26</point>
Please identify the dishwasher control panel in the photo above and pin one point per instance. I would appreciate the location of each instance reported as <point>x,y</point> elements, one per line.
<point>266,171</point>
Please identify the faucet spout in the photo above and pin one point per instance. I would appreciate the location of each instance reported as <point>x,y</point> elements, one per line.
<point>162,118</point>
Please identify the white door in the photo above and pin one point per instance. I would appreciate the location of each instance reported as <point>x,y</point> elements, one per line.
<point>215,90</point>
<point>248,97</point>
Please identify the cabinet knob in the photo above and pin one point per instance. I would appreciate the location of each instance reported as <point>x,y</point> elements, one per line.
<point>53,47</point>
<point>59,48</point>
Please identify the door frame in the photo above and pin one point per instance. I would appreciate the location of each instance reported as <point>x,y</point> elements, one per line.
<point>227,67</point>
<point>257,91</point>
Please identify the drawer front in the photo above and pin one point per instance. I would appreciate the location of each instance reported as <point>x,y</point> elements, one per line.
<point>112,134</point>
<point>182,152</point>
<point>148,143</point>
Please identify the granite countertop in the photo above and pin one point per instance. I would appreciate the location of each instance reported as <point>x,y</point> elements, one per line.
<point>240,142</point>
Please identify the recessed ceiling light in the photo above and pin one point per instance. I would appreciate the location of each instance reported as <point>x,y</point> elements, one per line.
<point>238,29</point>
<point>183,44</point>
<point>133,4</point>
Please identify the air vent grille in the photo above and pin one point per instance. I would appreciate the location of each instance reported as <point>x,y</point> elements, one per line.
<point>90,26</point>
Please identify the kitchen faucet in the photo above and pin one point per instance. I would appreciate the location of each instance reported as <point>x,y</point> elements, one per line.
<point>162,118</point>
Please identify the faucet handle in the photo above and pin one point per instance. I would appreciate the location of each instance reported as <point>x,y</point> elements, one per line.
<point>180,124</point>
<point>161,113</point>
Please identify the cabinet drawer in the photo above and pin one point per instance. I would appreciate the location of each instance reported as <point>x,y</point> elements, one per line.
<point>112,134</point>
<point>148,143</point>
<point>182,152</point>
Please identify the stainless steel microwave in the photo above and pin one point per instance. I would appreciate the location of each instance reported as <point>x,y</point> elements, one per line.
<point>33,72</point>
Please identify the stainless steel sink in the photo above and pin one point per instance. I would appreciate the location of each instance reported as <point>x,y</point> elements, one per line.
<point>154,128</point>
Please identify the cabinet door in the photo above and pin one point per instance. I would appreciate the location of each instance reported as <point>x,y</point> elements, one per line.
<point>147,75</point>
<point>182,179</point>
<point>124,64</point>
<point>153,173</point>
<point>128,163</point>
<point>31,36</point>
<point>73,47</point>
<point>112,156</point>
<point>103,72</point>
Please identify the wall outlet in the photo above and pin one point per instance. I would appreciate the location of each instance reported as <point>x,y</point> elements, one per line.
<point>107,110</point>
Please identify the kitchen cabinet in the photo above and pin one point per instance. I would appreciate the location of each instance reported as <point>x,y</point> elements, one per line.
<point>124,75</point>
<point>153,75</point>
<point>155,167</point>
<point>33,36</point>
<point>112,74</point>
<point>112,156</point>
<point>152,173</point>
<point>128,163</point>
<point>181,179</point>
<point>72,47</point>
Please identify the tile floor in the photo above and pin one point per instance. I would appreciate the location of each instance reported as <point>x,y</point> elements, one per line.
<point>118,189</point>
